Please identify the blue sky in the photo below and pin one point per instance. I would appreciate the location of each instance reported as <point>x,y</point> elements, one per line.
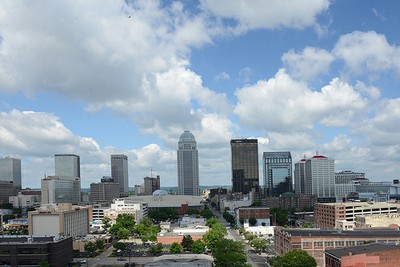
<point>130,76</point>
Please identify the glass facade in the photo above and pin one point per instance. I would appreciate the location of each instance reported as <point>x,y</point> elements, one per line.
<point>245,171</point>
<point>188,165</point>
<point>67,165</point>
<point>277,173</point>
<point>119,172</point>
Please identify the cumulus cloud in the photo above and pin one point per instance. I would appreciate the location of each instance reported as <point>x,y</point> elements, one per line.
<point>267,14</point>
<point>365,52</point>
<point>282,104</point>
<point>309,63</point>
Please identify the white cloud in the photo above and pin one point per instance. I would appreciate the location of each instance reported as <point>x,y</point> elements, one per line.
<point>223,76</point>
<point>267,14</point>
<point>309,63</point>
<point>365,52</point>
<point>282,104</point>
<point>245,75</point>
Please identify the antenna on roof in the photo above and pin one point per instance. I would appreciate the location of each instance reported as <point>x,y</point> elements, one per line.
<point>317,153</point>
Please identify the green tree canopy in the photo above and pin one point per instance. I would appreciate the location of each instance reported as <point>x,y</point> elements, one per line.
<point>187,242</point>
<point>212,238</point>
<point>198,247</point>
<point>259,244</point>
<point>156,249</point>
<point>175,248</point>
<point>295,258</point>
<point>252,221</point>
<point>229,253</point>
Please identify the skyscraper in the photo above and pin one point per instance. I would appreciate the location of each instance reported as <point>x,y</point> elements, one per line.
<point>244,156</point>
<point>151,184</point>
<point>277,168</point>
<point>68,165</point>
<point>299,175</point>
<point>119,171</point>
<point>10,177</point>
<point>188,165</point>
<point>320,178</point>
<point>61,189</point>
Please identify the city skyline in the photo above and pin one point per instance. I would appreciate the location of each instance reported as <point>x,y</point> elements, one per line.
<point>128,77</point>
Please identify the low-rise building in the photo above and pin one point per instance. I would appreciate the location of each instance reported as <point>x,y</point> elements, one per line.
<point>371,255</point>
<point>316,241</point>
<point>130,206</point>
<point>31,250</point>
<point>59,220</point>
<point>261,214</point>
<point>382,220</point>
<point>105,191</point>
<point>23,201</point>
<point>181,260</point>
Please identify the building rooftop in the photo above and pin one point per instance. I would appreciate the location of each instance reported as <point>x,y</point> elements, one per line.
<point>362,204</point>
<point>370,248</point>
<point>178,260</point>
<point>338,233</point>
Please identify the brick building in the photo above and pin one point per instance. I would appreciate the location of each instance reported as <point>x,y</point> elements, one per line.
<point>316,241</point>
<point>290,200</point>
<point>326,214</point>
<point>261,214</point>
<point>372,255</point>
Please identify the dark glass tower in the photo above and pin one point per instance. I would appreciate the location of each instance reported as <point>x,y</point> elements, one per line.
<point>277,173</point>
<point>244,156</point>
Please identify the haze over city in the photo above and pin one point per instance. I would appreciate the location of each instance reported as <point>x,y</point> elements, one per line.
<point>128,77</point>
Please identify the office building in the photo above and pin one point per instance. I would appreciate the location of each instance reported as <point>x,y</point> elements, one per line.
<point>10,178</point>
<point>59,220</point>
<point>31,251</point>
<point>188,165</point>
<point>244,159</point>
<point>320,178</point>
<point>67,165</point>
<point>299,176</point>
<point>345,183</point>
<point>119,172</point>
<point>105,191</point>
<point>61,189</point>
<point>151,184</point>
<point>316,241</point>
<point>277,171</point>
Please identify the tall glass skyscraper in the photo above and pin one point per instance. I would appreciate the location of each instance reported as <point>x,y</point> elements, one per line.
<point>299,176</point>
<point>277,168</point>
<point>68,165</point>
<point>119,171</point>
<point>188,165</point>
<point>10,177</point>
<point>244,157</point>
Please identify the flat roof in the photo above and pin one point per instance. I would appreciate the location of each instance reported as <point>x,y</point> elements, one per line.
<point>364,249</point>
<point>362,204</point>
<point>198,260</point>
<point>354,233</point>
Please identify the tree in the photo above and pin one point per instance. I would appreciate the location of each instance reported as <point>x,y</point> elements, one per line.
<point>123,233</point>
<point>119,245</point>
<point>106,223</point>
<point>198,247</point>
<point>99,244</point>
<point>187,242</point>
<point>258,244</point>
<point>127,221</point>
<point>252,221</point>
<point>156,249</point>
<point>229,253</point>
<point>90,247</point>
<point>175,248</point>
<point>295,258</point>
<point>206,213</point>
<point>212,238</point>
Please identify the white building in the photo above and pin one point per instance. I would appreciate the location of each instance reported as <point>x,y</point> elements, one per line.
<point>61,189</point>
<point>320,177</point>
<point>346,181</point>
<point>24,200</point>
<point>138,209</point>
<point>299,176</point>
<point>62,219</point>
<point>188,165</point>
